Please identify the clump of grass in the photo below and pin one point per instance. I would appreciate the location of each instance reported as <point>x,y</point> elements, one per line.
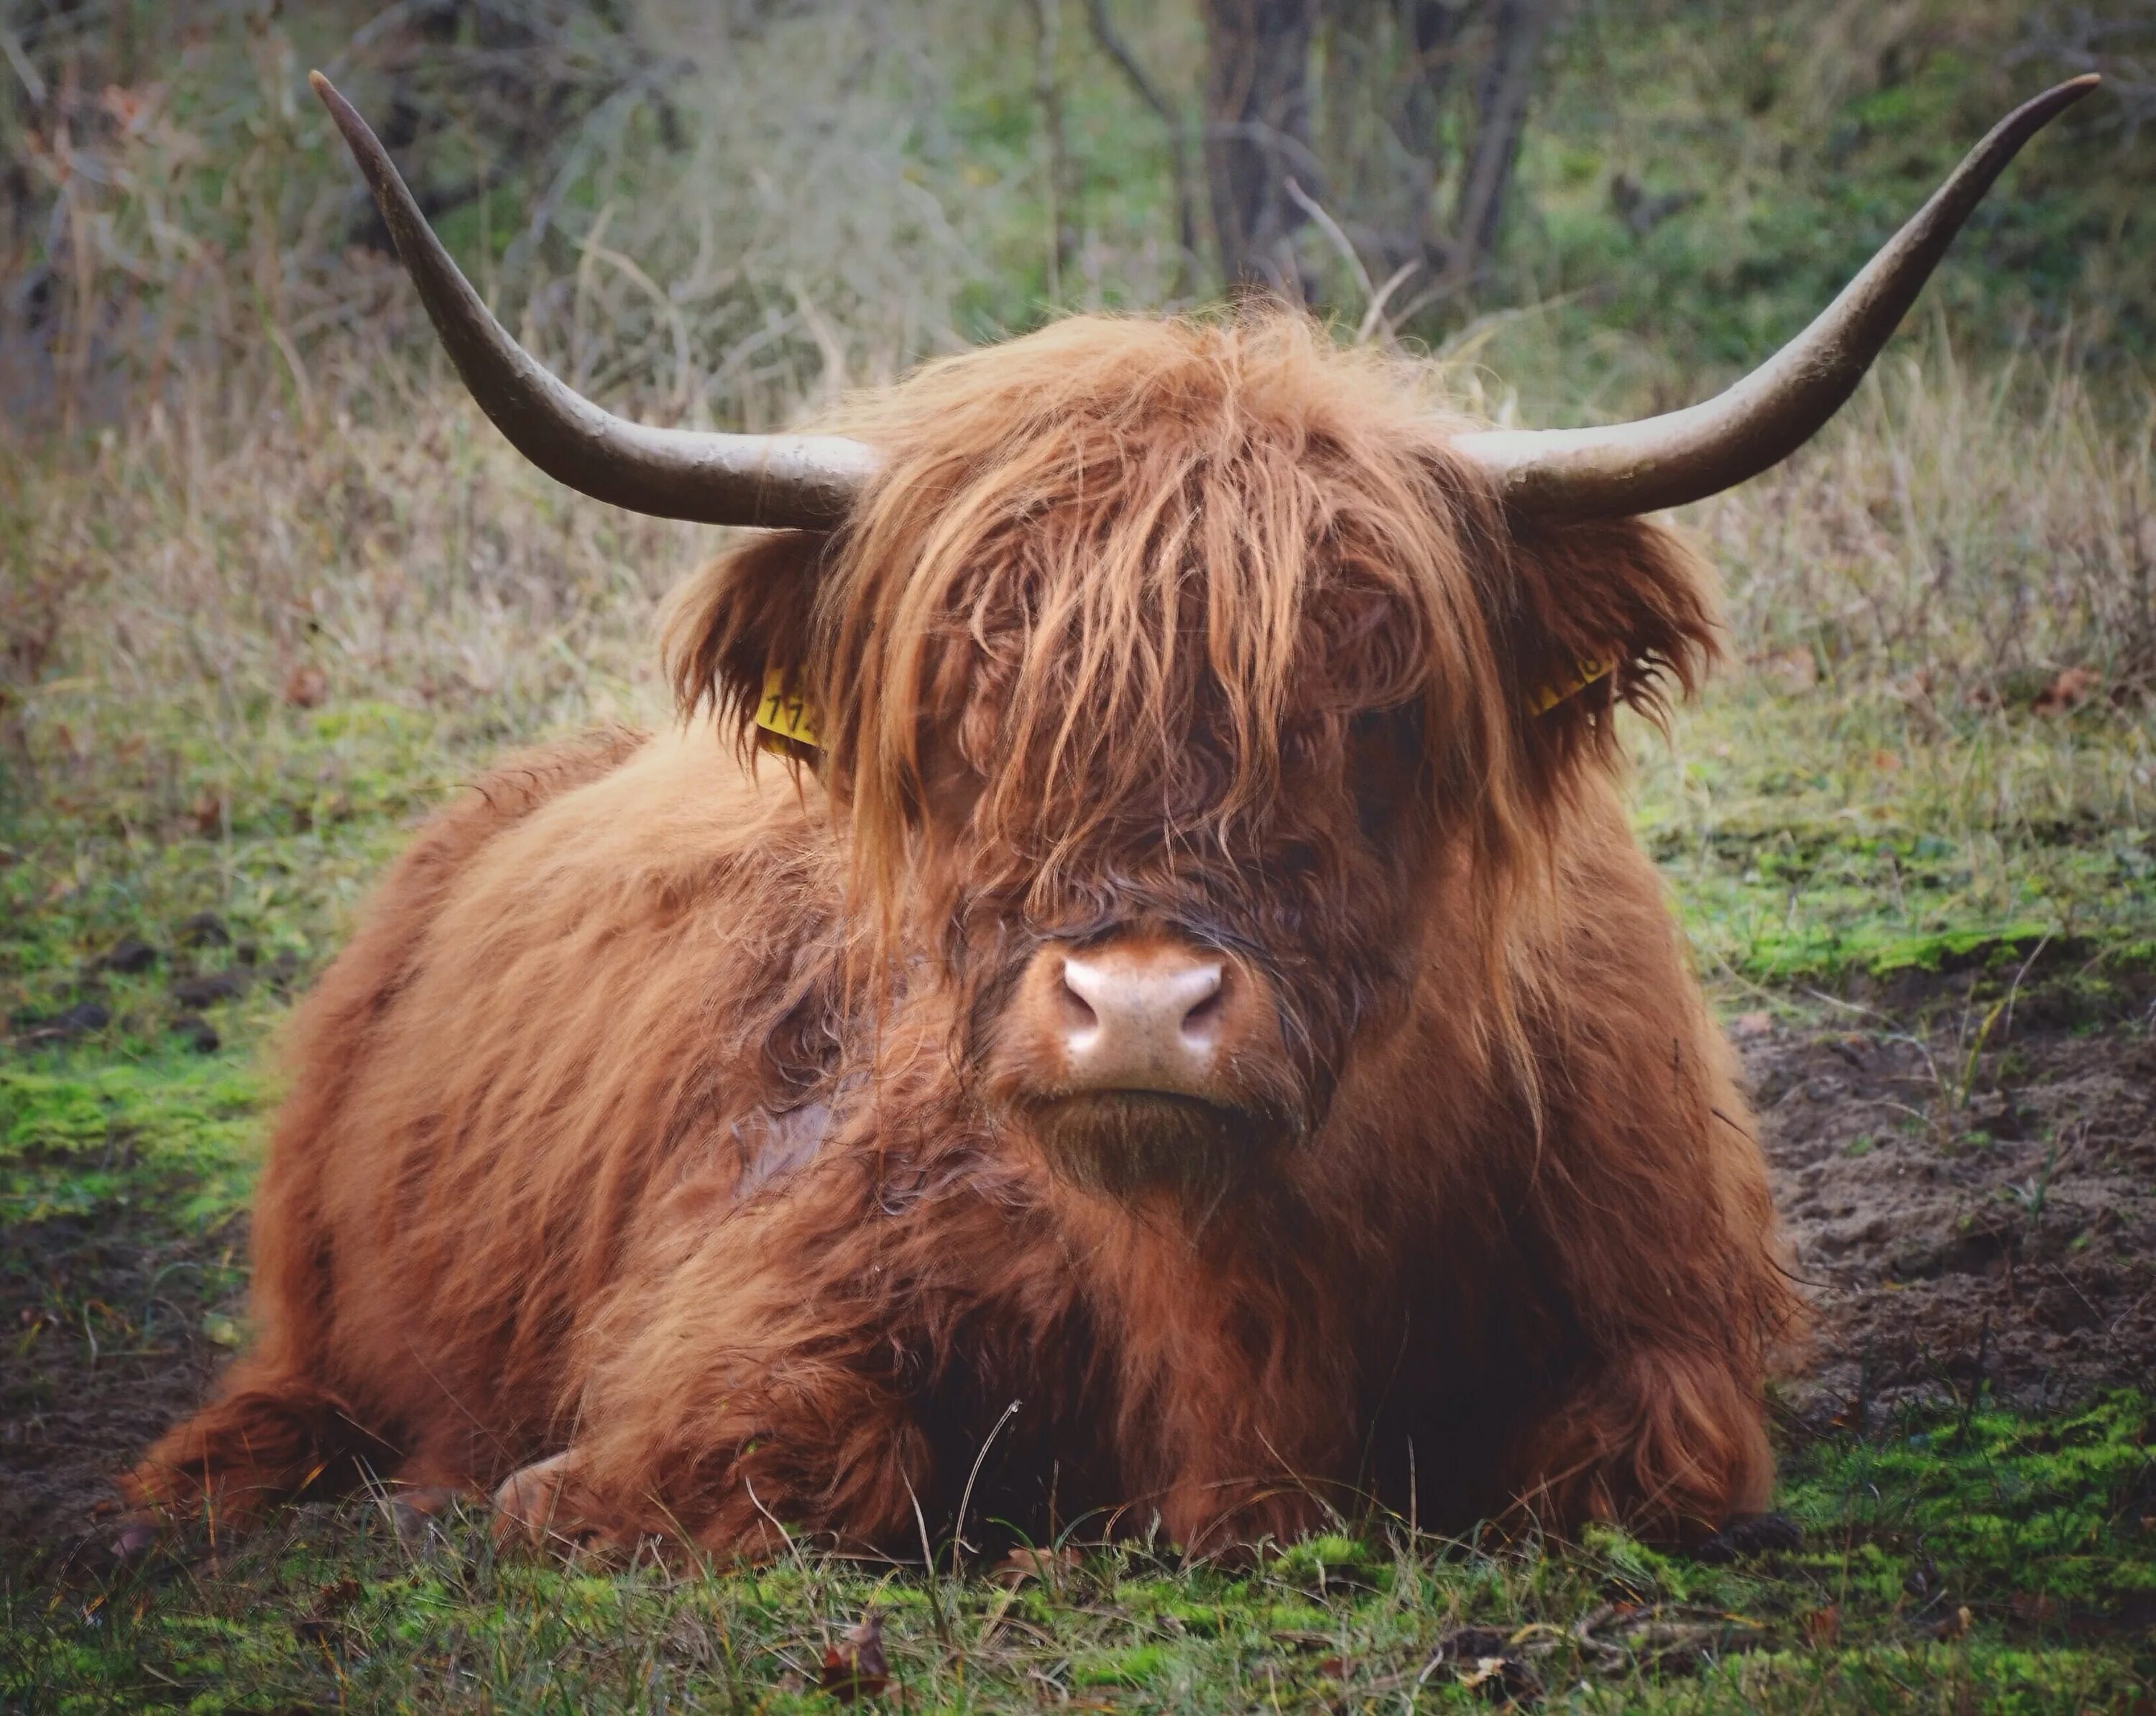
<point>1832,832</point>
<point>1959,539</point>
<point>1936,743</point>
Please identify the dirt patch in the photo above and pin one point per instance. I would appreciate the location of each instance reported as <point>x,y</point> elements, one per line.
<point>110,1324</point>
<point>1971,1210</point>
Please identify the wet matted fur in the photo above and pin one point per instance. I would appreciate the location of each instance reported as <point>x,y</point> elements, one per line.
<point>666,1123</point>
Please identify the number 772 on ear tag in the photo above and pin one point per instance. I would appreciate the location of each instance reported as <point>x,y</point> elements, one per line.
<point>784,711</point>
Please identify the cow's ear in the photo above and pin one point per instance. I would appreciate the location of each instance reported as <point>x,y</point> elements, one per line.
<point>744,623</point>
<point>1601,613</point>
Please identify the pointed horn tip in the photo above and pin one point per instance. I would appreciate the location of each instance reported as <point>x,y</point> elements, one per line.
<point>2061,96</point>
<point>347,116</point>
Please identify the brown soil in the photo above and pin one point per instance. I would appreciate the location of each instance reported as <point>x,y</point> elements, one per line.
<point>104,1326</point>
<point>1961,1224</point>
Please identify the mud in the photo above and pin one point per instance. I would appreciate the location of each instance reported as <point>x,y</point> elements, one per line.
<point>1971,1210</point>
<point>108,1326</point>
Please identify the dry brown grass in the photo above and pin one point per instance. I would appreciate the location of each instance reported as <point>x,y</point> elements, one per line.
<point>1963,534</point>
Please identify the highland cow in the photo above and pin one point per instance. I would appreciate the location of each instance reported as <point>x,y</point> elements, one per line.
<point>1130,989</point>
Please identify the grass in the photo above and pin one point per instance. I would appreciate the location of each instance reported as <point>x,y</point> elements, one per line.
<point>1989,1563</point>
<point>1828,838</point>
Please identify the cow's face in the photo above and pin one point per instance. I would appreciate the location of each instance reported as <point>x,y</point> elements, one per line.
<point>1163,966</point>
<point>1177,689</point>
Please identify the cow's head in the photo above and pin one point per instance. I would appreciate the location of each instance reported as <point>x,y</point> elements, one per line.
<point>1176,682</point>
<point>1185,685</point>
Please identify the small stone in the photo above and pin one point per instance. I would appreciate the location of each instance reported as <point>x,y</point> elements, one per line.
<point>75,1023</point>
<point>197,1033</point>
<point>208,990</point>
<point>128,956</point>
<point>205,929</point>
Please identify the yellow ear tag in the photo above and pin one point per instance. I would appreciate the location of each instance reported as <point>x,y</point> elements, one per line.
<point>1585,674</point>
<point>785,711</point>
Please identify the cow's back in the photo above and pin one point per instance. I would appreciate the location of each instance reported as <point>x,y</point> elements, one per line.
<point>553,993</point>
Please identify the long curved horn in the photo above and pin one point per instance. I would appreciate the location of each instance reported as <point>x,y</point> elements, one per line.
<point>1686,455</point>
<point>803,481</point>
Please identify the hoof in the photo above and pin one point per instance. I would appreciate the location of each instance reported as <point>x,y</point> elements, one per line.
<point>416,1512</point>
<point>1751,1534</point>
<point>546,1506</point>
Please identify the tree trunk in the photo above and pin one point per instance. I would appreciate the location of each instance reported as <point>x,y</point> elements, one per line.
<point>1048,94</point>
<point>1170,116</point>
<point>1257,138</point>
<point>1501,113</point>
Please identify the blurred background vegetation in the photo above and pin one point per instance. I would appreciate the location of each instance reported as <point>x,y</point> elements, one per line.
<point>270,579</point>
<point>722,208</point>
<point>725,211</point>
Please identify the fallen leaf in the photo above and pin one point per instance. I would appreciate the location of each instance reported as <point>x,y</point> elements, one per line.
<point>1483,1659</point>
<point>1022,1564</point>
<point>1506,1678</point>
<point>854,1668</point>
<point>307,686</point>
<point>1823,1626</point>
<point>2068,689</point>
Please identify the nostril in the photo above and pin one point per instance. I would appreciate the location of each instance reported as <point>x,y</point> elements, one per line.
<point>1201,1021</point>
<point>1075,1011</point>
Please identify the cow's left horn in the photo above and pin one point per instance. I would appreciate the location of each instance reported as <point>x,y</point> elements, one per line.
<point>1686,455</point>
<point>803,481</point>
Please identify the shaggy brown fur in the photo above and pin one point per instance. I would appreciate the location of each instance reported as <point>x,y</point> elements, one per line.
<point>663,1139</point>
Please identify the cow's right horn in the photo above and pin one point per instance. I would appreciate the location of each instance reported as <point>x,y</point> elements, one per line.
<point>803,481</point>
<point>1685,455</point>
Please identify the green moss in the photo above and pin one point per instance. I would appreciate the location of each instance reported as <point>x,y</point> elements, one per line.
<point>77,1132</point>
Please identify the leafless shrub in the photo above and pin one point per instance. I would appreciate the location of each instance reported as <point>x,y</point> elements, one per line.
<point>1965,535</point>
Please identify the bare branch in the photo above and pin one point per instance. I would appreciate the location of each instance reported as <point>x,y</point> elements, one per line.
<point>1110,42</point>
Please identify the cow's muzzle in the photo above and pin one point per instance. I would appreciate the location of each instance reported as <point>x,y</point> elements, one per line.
<point>1143,1060</point>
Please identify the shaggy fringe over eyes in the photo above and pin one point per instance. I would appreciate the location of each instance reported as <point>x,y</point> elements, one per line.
<point>1110,565</point>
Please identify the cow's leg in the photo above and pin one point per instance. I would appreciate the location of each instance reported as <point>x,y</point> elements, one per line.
<point>755,1373</point>
<point>547,1505</point>
<point>269,1437</point>
<point>1670,1442</point>
<point>1235,1421</point>
<point>1652,1244</point>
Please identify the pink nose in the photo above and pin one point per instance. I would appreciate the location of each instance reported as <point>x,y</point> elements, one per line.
<point>1142,1018</point>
